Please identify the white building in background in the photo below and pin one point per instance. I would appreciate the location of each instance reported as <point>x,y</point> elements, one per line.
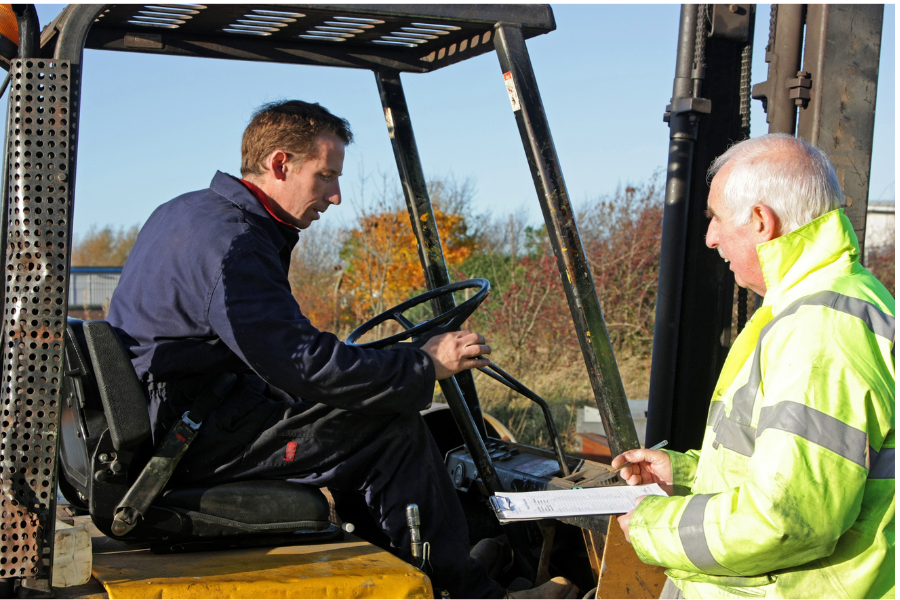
<point>92,287</point>
<point>879,223</point>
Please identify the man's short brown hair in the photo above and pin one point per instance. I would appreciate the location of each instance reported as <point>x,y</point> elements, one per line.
<point>291,126</point>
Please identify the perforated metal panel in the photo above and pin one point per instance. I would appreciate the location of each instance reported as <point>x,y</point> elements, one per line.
<point>39,144</point>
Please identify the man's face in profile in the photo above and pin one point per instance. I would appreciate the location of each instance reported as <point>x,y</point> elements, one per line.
<point>312,184</point>
<point>735,243</point>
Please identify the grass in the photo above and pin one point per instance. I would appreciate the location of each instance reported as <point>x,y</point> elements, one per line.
<point>565,388</point>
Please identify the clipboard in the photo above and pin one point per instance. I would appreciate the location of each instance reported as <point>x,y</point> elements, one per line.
<point>610,500</point>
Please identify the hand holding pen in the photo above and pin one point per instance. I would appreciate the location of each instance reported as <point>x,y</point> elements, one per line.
<point>644,466</point>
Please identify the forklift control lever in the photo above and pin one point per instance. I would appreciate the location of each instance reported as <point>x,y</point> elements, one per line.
<point>421,551</point>
<point>501,376</point>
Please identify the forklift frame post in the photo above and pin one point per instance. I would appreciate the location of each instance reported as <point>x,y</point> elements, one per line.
<point>4,214</point>
<point>682,136</point>
<point>40,159</point>
<point>29,29</point>
<point>562,230</point>
<point>431,255</point>
<point>840,116</point>
<point>29,43</point>
<point>422,220</point>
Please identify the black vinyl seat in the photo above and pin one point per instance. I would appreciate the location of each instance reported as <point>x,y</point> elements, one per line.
<point>105,433</point>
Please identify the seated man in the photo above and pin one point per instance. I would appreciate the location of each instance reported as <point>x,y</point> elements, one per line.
<point>793,488</point>
<point>205,291</point>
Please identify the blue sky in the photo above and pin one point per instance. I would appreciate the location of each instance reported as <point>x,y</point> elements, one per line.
<point>153,127</point>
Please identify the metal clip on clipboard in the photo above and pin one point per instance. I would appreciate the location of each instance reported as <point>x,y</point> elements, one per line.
<point>500,505</point>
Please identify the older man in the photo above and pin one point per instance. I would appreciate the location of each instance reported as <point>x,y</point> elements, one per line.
<point>205,290</point>
<point>792,492</point>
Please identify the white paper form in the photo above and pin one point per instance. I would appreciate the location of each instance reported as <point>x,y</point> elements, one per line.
<point>611,500</point>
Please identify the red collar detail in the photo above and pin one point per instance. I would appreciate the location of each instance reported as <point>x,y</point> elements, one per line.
<point>264,200</point>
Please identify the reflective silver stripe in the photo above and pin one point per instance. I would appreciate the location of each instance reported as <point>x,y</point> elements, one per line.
<point>693,540</point>
<point>736,437</point>
<point>744,398</point>
<point>716,409</point>
<point>878,322</point>
<point>816,427</point>
<point>882,464</point>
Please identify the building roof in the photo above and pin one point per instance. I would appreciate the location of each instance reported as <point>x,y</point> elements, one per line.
<point>881,206</point>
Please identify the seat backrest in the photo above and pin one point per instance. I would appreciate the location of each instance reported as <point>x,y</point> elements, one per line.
<point>123,397</point>
<point>100,377</point>
<point>82,421</point>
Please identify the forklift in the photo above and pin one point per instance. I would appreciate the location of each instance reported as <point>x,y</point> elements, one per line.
<point>74,412</point>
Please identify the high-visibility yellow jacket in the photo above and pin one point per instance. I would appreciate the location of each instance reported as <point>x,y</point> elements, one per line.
<point>793,488</point>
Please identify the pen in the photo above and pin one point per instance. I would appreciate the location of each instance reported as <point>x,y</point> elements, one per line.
<point>609,475</point>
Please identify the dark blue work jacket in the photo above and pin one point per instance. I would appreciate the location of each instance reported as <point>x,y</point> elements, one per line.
<point>205,290</point>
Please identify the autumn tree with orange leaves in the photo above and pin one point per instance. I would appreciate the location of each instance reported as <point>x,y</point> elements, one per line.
<point>106,247</point>
<point>381,262</point>
<point>315,275</point>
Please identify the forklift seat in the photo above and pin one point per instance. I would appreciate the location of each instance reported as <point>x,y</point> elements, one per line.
<point>105,432</point>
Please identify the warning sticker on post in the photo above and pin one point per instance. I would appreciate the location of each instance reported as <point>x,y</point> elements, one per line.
<point>511,90</point>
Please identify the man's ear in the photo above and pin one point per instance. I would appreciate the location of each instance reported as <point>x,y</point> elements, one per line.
<point>278,164</point>
<point>766,223</point>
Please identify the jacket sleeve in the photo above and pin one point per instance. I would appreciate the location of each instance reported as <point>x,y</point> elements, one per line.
<point>252,310</point>
<point>684,466</point>
<point>824,393</point>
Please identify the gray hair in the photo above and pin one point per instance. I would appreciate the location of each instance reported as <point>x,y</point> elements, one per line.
<point>793,178</point>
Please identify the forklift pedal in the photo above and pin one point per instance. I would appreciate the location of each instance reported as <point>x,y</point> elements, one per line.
<point>519,584</point>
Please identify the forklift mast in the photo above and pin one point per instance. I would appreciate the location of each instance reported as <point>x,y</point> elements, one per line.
<point>834,96</point>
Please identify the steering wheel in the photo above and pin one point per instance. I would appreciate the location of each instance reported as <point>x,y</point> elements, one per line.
<point>448,321</point>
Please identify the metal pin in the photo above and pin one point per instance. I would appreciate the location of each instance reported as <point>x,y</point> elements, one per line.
<point>415,537</point>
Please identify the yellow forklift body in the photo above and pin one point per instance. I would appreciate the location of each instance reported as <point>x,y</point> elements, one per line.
<point>351,568</point>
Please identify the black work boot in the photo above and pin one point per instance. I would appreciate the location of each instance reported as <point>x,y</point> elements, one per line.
<point>558,587</point>
<point>494,553</point>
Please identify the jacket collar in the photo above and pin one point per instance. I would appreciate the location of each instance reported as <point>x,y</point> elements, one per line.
<point>805,252</point>
<point>237,193</point>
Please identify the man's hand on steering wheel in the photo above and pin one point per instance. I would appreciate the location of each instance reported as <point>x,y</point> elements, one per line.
<point>456,351</point>
<point>451,351</point>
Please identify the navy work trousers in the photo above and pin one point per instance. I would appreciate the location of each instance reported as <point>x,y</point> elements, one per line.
<point>387,460</point>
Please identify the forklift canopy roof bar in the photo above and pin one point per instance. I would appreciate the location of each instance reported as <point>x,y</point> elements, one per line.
<point>404,37</point>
